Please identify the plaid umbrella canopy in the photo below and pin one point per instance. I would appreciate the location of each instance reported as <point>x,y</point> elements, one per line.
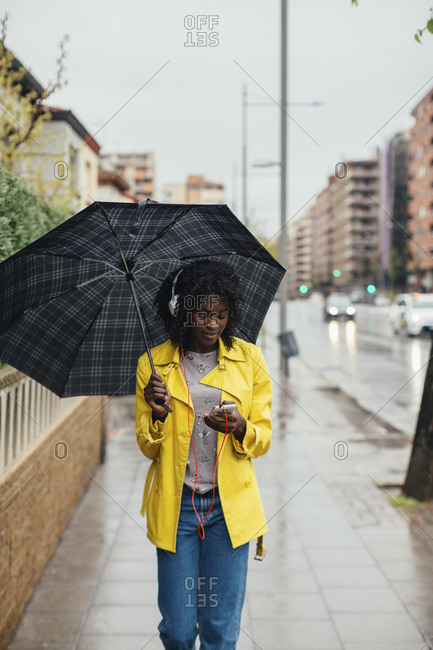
<point>68,317</point>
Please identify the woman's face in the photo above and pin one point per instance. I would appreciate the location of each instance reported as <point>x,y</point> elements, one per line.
<point>208,322</point>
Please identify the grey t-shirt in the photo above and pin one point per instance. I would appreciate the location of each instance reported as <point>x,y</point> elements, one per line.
<point>203,397</point>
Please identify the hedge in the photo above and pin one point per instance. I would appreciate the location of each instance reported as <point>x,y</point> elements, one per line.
<point>24,215</point>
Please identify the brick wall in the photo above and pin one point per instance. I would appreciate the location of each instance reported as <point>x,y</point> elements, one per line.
<point>37,500</point>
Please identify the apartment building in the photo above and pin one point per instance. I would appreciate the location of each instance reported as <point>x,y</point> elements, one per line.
<point>138,169</point>
<point>113,187</point>
<point>421,194</point>
<point>196,190</point>
<point>394,237</point>
<point>356,224</point>
<point>300,252</point>
<point>323,237</point>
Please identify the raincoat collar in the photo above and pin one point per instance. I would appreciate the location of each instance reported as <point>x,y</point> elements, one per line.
<point>167,353</point>
<point>166,356</point>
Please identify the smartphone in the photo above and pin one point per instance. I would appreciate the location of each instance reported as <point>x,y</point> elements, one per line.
<point>217,412</point>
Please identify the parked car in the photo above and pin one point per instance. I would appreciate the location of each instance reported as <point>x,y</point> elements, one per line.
<point>412,313</point>
<point>338,305</point>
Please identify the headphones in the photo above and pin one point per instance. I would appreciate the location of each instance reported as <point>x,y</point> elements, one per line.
<point>173,305</point>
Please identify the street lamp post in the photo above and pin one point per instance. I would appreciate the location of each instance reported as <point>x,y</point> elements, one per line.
<point>244,156</point>
<point>284,163</point>
<point>284,170</point>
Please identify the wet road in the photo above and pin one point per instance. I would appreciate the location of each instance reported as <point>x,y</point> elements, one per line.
<point>383,372</point>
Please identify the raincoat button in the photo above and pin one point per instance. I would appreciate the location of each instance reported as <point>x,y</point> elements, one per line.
<point>156,488</point>
<point>247,483</point>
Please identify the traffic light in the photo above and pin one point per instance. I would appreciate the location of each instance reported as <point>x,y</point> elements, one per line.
<point>303,288</point>
<point>371,288</point>
<point>336,273</point>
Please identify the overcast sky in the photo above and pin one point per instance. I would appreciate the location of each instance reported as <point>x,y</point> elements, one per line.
<point>185,103</point>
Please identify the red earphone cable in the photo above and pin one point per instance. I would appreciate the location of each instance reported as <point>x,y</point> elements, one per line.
<point>200,529</point>
<point>214,472</point>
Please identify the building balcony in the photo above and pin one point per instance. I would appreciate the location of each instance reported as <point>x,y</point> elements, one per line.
<point>364,216</point>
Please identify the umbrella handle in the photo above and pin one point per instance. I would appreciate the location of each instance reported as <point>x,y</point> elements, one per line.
<point>161,402</point>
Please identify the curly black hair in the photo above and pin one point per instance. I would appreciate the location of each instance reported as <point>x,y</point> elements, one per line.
<point>197,281</point>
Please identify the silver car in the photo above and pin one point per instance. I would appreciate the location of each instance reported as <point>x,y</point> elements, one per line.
<point>338,305</point>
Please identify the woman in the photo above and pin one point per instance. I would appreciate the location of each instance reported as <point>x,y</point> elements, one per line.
<point>201,494</point>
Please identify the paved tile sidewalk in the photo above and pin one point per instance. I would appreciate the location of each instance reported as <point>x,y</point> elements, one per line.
<point>344,569</point>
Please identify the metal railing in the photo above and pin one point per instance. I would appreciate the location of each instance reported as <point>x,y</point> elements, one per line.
<point>28,412</point>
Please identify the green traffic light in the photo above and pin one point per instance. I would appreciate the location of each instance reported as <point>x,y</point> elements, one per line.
<point>336,273</point>
<point>303,288</point>
<point>371,288</point>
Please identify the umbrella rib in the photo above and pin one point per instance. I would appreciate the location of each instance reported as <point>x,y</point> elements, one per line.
<point>108,274</point>
<point>78,257</point>
<point>142,270</point>
<point>95,259</point>
<point>162,233</point>
<point>63,293</point>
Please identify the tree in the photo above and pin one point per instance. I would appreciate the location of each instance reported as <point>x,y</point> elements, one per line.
<point>22,99</point>
<point>428,27</point>
<point>271,244</point>
<point>24,216</point>
<point>419,478</point>
<point>23,113</point>
<point>419,32</point>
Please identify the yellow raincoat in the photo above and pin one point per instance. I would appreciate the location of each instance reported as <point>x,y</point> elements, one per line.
<point>242,376</point>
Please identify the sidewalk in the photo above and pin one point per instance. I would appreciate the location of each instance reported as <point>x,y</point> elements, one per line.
<point>344,569</point>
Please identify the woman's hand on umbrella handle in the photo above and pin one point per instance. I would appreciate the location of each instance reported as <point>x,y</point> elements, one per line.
<point>156,394</point>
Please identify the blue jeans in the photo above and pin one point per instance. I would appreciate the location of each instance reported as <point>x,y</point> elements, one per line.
<point>201,587</point>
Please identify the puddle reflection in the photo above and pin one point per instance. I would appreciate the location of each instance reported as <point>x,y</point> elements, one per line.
<point>351,338</point>
<point>334,332</point>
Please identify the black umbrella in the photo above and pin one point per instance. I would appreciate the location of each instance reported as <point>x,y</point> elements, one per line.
<point>70,299</point>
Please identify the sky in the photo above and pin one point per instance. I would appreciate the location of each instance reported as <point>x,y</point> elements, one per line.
<point>137,83</point>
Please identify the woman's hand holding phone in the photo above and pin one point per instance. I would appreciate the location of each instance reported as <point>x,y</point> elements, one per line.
<point>236,423</point>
